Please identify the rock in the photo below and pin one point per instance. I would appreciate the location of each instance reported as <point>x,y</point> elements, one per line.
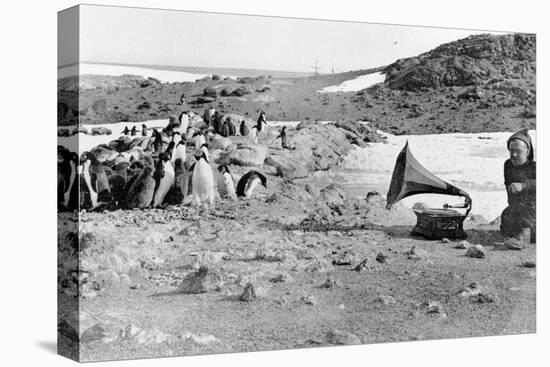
<point>209,92</point>
<point>482,298</point>
<point>528,264</point>
<point>435,308</point>
<point>373,197</point>
<point>462,245</point>
<point>476,251</point>
<point>210,257</point>
<point>101,131</point>
<point>346,258</point>
<point>363,265</point>
<point>445,240</point>
<point>201,281</point>
<point>309,300</point>
<point>386,300</point>
<point>249,293</point>
<point>381,258</point>
<point>130,331</point>
<point>204,339</point>
<point>470,290</point>
<point>330,283</point>
<point>151,263</point>
<point>339,337</point>
<point>282,278</point>
<point>412,255</point>
<point>93,333</point>
<point>244,155</point>
<point>241,91</point>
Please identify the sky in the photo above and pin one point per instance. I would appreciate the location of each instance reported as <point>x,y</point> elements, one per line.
<point>180,38</point>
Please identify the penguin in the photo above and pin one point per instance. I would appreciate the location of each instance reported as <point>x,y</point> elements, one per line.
<point>179,153</point>
<point>217,122</point>
<point>225,129</point>
<point>243,129</point>
<point>199,140</point>
<point>184,122</point>
<point>133,132</point>
<point>67,191</point>
<point>141,192</point>
<point>158,143</point>
<point>176,137</point>
<point>232,127</point>
<point>248,183</point>
<point>179,190</point>
<point>203,180</point>
<point>117,182</point>
<point>204,148</point>
<point>145,131</point>
<point>282,135</point>
<point>229,183</point>
<point>261,122</point>
<point>126,131</point>
<point>95,182</point>
<point>254,134</point>
<point>164,178</point>
<point>206,117</point>
<point>170,149</point>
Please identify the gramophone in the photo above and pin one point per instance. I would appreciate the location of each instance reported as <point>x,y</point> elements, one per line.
<point>410,178</point>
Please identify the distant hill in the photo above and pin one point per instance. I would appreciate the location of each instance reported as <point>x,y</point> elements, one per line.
<point>480,83</point>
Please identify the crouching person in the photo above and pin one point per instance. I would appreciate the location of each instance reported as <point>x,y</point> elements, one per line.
<point>518,220</point>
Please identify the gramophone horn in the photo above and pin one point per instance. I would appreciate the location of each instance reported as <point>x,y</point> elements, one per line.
<point>410,178</point>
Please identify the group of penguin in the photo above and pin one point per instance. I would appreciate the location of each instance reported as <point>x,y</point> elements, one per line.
<point>157,177</point>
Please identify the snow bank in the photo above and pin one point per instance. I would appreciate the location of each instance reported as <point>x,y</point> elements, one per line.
<point>87,142</point>
<point>355,85</point>
<point>165,76</point>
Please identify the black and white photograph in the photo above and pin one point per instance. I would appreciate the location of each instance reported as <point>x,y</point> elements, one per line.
<point>264,183</point>
<point>274,183</point>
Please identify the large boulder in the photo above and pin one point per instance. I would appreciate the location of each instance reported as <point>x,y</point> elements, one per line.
<point>318,147</point>
<point>244,155</point>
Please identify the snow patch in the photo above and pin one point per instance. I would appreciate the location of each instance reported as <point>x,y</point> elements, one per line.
<point>357,84</point>
<point>165,76</point>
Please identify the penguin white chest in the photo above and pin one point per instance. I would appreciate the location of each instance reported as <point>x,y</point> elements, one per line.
<point>203,182</point>
<point>250,186</point>
<point>184,122</point>
<point>230,185</point>
<point>164,185</point>
<point>86,174</point>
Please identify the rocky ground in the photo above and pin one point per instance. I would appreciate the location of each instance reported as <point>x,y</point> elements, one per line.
<point>290,268</point>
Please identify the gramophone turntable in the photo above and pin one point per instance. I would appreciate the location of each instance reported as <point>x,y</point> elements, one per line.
<point>411,178</point>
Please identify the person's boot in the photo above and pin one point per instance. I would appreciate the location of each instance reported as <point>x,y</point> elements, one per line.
<point>520,241</point>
